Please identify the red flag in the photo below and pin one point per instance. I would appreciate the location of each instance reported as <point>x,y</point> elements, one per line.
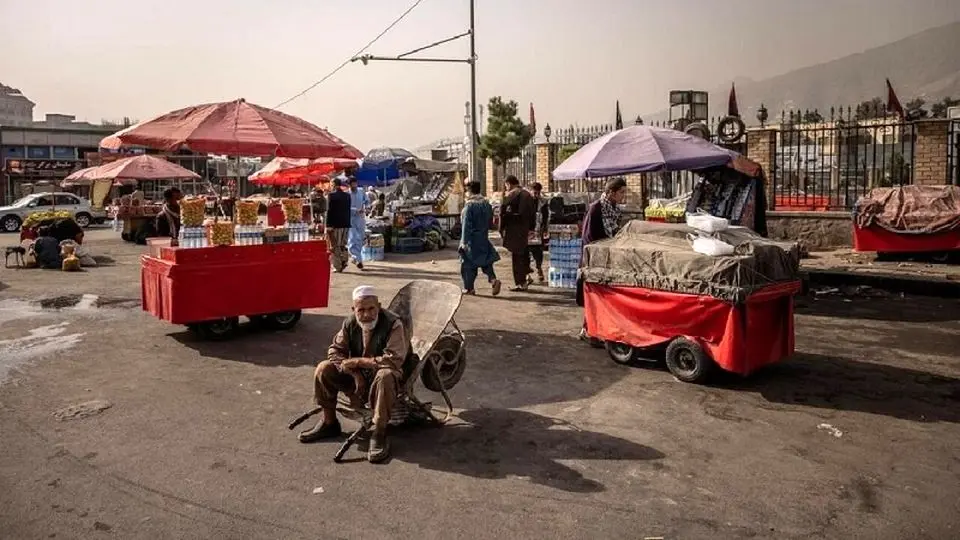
<point>893,102</point>
<point>732,108</point>
<point>533,121</point>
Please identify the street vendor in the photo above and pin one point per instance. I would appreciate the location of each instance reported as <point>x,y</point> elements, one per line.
<point>168,220</point>
<point>358,222</point>
<point>366,361</point>
<point>601,222</point>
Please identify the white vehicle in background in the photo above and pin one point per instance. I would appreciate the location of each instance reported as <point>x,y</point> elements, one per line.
<point>11,217</point>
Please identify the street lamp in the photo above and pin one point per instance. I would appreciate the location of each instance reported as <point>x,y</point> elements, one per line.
<point>762,115</point>
<point>472,60</point>
<point>547,131</point>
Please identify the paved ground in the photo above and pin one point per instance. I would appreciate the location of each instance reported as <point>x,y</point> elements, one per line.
<point>847,260</point>
<point>855,437</point>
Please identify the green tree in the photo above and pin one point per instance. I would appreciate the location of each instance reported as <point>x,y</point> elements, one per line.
<point>869,109</point>
<point>939,109</point>
<point>811,117</point>
<point>914,108</point>
<point>506,134</point>
<point>898,172</point>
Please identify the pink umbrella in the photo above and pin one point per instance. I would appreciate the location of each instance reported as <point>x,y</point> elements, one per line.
<point>283,171</point>
<point>234,128</point>
<point>80,177</point>
<point>143,167</point>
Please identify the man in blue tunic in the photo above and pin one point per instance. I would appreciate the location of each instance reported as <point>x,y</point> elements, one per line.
<point>358,223</point>
<point>476,251</point>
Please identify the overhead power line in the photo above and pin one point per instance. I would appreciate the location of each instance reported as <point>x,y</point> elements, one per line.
<point>354,55</point>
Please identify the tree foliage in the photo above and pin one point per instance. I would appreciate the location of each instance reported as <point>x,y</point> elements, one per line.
<point>870,109</point>
<point>811,117</point>
<point>939,109</point>
<point>506,134</point>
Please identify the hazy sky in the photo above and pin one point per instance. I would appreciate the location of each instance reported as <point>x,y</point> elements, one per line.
<point>572,58</point>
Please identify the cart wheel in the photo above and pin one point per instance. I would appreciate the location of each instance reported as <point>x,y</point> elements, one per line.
<point>283,320</point>
<point>451,360</point>
<point>218,330</point>
<point>941,257</point>
<point>620,353</point>
<point>687,361</point>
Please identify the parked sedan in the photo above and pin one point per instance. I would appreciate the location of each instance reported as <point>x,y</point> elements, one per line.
<point>11,217</point>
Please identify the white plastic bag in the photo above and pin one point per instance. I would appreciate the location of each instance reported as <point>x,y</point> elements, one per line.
<point>712,247</point>
<point>703,221</point>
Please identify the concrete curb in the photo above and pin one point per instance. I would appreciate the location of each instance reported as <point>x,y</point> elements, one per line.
<point>941,288</point>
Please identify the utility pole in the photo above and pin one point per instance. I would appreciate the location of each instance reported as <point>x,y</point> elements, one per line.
<point>472,60</point>
<point>474,127</point>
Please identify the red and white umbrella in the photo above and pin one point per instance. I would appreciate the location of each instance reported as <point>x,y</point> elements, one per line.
<point>283,171</point>
<point>234,128</point>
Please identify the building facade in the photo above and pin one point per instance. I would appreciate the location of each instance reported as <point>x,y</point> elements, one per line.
<point>15,108</point>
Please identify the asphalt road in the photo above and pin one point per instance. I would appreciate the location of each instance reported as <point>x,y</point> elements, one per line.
<point>855,437</point>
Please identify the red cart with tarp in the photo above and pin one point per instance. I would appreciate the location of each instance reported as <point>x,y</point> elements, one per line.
<point>909,219</point>
<point>646,288</point>
<point>209,289</point>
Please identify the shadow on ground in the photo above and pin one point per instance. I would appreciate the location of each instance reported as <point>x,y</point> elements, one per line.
<point>511,369</point>
<point>305,345</point>
<point>883,307</point>
<point>843,384</point>
<point>496,444</point>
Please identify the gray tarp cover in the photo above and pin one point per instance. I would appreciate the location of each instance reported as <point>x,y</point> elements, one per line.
<point>660,256</point>
<point>910,209</point>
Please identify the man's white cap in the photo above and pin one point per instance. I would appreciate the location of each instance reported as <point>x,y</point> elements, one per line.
<point>363,291</point>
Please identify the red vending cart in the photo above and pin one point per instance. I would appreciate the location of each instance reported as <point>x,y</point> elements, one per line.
<point>647,288</point>
<point>209,289</point>
<point>908,219</point>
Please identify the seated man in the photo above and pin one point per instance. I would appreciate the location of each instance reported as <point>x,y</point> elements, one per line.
<point>366,361</point>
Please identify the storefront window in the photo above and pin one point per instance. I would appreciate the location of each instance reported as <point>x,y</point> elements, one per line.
<point>14,152</point>
<point>38,152</point>
<point>64,152</point>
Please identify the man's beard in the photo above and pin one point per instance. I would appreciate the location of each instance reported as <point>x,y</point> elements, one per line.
<point>369,325</point>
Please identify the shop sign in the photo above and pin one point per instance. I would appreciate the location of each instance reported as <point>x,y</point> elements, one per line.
<point>27,166</point>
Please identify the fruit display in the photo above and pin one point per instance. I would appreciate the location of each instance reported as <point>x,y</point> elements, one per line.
<point>192,212</point>
<point>221,233</point>
<point>247,212</point>
<point>668,215</point>
<point>292,210</point>
<point>36,218</point>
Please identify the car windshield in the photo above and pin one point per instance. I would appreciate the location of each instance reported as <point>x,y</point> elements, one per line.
<point>22,201</point>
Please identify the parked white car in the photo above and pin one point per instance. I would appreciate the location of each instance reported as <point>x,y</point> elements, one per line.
<point>11,217</point>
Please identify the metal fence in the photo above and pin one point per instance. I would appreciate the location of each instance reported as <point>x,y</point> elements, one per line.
<point>953,154</point>
<point>523,167</point>
<point>826,162</point>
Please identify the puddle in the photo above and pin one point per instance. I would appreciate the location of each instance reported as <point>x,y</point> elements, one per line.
<point>87,302</point>
<point>40,342</point>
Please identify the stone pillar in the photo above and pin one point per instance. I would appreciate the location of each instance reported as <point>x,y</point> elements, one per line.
<point>930,152</point>
<point>546,163</point>
<point>636,192</point>
<point>762,148</point>
<point>494,178</point>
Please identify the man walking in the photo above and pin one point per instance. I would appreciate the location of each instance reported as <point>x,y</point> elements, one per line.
<point>517,217</point>
<point>358,222</point>
<point>337,224</point>
<point>476,251</point>
<point>541,220</point>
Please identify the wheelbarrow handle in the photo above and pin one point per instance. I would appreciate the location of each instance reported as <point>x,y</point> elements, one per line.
<point>338,457</point>
<point>300,419</point>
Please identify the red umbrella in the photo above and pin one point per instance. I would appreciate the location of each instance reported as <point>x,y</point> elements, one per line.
<point>283,171</point>
<point>234,128</point>
<point>143,167</point>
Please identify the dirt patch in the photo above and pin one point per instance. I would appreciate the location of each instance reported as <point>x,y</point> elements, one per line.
<point>82,410</point>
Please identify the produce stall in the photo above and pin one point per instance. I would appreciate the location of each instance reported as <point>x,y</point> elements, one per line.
<point>219,271</point>
<point>908,219</point>
<point>649,287</point>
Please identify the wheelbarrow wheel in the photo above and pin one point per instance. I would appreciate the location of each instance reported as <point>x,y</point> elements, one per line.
<point>283,320</point>
<point>688,362</point>
<point>451,361</point>
<point>218,330</point>
<point>620,353</point>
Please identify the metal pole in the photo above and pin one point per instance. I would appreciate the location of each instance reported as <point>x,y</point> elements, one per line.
<point>473,100</point>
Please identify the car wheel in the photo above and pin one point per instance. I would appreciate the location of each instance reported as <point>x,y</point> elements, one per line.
<point>218,330</point>
<point>688,362</point>
<point>83,219</point>
<point>283,320</point>
<point>620,353</point>
<point>10,224</point>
